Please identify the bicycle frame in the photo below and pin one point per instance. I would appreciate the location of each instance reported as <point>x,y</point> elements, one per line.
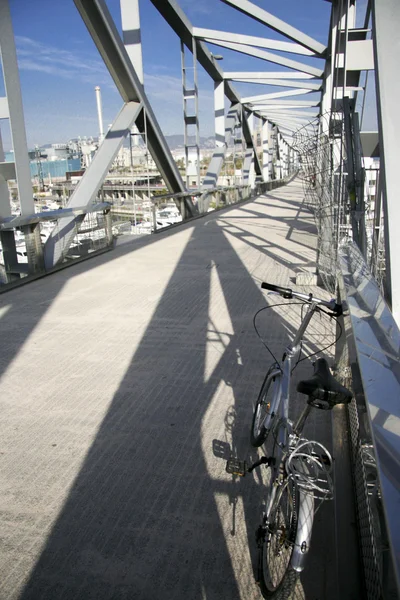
<point>279,417</point>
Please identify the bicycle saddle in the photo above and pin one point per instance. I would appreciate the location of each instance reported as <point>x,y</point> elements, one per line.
<point>323,386</point>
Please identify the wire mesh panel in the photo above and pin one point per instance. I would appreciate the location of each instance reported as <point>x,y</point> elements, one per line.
<point>323,189</point>
<point>368,506</point>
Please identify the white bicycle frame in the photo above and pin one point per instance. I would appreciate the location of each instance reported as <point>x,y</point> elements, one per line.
<point>278,418</point>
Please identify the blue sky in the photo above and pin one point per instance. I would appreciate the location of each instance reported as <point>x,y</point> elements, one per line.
<point>60,66</point>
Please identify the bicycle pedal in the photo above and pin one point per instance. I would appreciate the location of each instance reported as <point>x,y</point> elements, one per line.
<point>236,467</point>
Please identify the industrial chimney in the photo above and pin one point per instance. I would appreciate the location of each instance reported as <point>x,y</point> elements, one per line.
<point>99,114</point>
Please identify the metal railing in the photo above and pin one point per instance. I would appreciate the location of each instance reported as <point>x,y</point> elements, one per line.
<point>214,199</point>
<point>370,358</point>
<point>23,239</point>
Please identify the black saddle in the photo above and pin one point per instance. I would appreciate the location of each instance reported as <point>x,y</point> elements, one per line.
<point>322,389</point>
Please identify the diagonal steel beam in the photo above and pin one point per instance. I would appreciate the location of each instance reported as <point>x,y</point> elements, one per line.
<point>315,87</point>
<point>237,75</point>
<point>101,27</point>
<point>288,103</point>
<point>294,113</point>
<point>250,40</point>
<point>178,21</point>
<point>264,17</point>
<point>261,97</point>
<point>85,193</point>
<point>251,150</point>
<point>217,160</point>
<point>270,57</point>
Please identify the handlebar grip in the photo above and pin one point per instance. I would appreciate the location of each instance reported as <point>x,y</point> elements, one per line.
<point>285,292</point>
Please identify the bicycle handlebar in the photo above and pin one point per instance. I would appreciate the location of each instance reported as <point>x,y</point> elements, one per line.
<point>289,293</point>
<point>285,292</point>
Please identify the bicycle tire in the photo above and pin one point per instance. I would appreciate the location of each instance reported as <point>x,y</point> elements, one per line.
<point>277,578</point>
<point>259,432</point>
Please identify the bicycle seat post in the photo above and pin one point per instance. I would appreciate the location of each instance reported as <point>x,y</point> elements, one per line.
<point>298,426</point>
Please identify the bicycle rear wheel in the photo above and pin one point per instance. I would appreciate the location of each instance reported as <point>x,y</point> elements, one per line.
<point>277,577</point>
<point>260,426</point>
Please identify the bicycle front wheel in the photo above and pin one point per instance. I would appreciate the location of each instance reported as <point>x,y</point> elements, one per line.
<point>277,576</point>
<point>263,410</point>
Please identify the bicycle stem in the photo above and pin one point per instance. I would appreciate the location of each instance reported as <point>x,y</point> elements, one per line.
<point>292,348</point>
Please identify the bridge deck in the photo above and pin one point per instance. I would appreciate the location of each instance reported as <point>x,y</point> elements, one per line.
<point>125,379</point>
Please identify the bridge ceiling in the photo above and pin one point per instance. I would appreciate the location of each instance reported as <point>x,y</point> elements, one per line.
<point>268,59</point>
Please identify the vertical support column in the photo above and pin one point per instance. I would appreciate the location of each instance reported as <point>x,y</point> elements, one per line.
<point>7,239</point>
<point>250,163</point>
<point>266,157</point>
<point>190,119</point>
<point>34,249</point>
<point>196,108</point>
<point>5,207</point>
<point>130,18</point>
<point>285,158</point>
<point>385,27</point>
<point>108,227</point>
<point>279,155</point>
<point>272,151</point>
<point>13,91</point>
<point>219,113</point>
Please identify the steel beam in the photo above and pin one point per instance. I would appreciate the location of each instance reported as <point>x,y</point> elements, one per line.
<point>385,27</point>
<point>5,207</point>
<point>292,113</point>
<point>130,18</point>
<point>287,103</point>
<point>219,113</point>
<point>16,111</point>
<point>261,97</point>
<point>217,160</point>
<point>212,34</point>
<point>238,75</point>
<point>86,191</point>
<point>4,111</point>
<point>315,87</point>
<point>101,27</point>
<point>269,56</point>
<point>247,134</point>
<point>266,166</point>
<point>178,21</point>
<point>264,17</point>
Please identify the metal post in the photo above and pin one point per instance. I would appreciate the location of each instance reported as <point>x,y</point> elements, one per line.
<point>265,153</point>
<point>385,27</point>
<point>108,226</point>
<point>99,115</point>
<point>34,249</point>
<point>5,207</point>
<point>130,18</point>
<point>249,152</point>
<point>219,113</point>
<point>17,125</point>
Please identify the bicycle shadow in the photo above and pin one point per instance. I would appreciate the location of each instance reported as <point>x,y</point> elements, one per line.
<point>143,515</point>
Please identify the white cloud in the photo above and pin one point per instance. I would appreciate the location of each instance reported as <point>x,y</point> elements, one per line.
<point>36,56</point>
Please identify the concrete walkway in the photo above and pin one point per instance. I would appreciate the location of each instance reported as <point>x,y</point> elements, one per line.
<point>125,381</point>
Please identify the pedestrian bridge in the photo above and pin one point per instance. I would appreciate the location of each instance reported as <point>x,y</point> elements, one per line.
<point>128,379</point>
<point>125,382</point>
